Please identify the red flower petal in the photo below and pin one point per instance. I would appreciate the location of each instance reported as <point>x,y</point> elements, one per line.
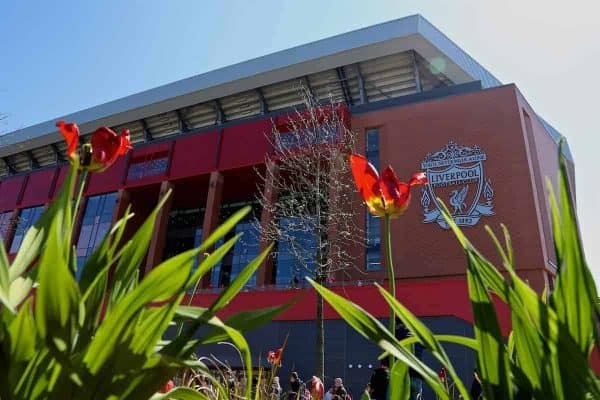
<point>366,180</point>
<point>396,194</point>
<point>70,132</point>
<point>418,179</point>
<point>107,146</point>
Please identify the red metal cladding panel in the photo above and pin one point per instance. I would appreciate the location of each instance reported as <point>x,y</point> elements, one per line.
<point>244,144</point>
<point>37,188</point>
<point>9,192</point>
<point>425,299</point>
<point>62,174</point>
<point>194,155</point>
<point>109,180</point>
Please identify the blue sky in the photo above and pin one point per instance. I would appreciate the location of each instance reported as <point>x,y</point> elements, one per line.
<point>62,56</point>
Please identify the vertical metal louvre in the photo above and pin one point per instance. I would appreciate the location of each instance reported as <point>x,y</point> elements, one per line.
<point>240,105</point>
<point>388,77</point>
<point>283,94</point>
<point>382,78</point>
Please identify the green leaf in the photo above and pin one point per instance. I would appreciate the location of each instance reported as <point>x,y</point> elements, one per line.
<point>23,334</point>
<point>4,280</point>
<point>57,297</point>
<point>240,281</point>
<point>246,321</point>
<point>181,393</point>
<point>211,260</point>
<point>425,337</point>
<point>163,282</point>
<point>132,255</point>
<point>19,290</point>
<point>369,327</point>
<point>399,382</point>
<point>492,359</point>
<point>36,237</point>
<point>225,227</point>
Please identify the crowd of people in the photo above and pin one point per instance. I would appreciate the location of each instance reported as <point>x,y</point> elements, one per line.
<point>376,388</point>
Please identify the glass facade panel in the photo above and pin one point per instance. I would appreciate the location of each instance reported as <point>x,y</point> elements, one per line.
<point>244,250</point>
<point>295,257</point>
<point>184,231</point>
<point>5,220</point>
<point>94,226</point>
<point>27,218</point>
<point>373,223</point>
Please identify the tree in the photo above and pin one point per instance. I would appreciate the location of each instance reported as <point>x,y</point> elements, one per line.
<point>311,214</point>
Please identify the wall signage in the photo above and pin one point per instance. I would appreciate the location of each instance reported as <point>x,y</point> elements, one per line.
<point>456,176</point>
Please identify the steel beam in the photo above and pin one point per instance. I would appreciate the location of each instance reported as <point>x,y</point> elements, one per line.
<point>264,107</point>
<point>344,84</point>
<point>361,86</point>
<point>33,163</point>
<point>219,111</point>
<point>58,156</point>
<point>183,126</point>
<point>10,166</point>
<point>147,134</point>
<point>416,69</point>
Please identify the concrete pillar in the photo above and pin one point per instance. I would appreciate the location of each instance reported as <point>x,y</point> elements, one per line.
<point>161,224</point>
<point>212,211</point>
<point>264,274</point>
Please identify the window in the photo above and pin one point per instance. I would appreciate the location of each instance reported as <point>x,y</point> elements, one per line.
<point>244,250</point>
<point>296,254</point>
<point>5,220</point>
<point>373,223</point>
<point>27,218</point>
<point>184,231</point>
<point>154,164</point>
<point>94,226</point>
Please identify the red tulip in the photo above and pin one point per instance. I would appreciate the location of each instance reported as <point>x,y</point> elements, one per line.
<point>442,374</point>
<point>274,357</point>
<point>70,132</point>
<point>104,150</point>
<point>107,146</point>
<point>170,385</point>
<point>317,390</point>
<point>384,195</point>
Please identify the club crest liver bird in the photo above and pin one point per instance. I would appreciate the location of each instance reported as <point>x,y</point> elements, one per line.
<point>457,199</point>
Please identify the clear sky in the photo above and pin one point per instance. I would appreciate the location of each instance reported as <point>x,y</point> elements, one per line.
<point>60,56</point>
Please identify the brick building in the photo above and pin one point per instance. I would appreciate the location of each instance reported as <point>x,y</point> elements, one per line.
<point>416,100</point>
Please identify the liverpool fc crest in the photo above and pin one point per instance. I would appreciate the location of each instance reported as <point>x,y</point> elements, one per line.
<point>456,177</point>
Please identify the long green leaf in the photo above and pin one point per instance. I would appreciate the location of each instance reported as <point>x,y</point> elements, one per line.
<point>225,227</point>
<point>181,393</point>
<point>369,327</point>
<point>425,336</point>
<point>162,283</point>
<point>240,281</point>
<point>246,321</point>
<point>36,237</point>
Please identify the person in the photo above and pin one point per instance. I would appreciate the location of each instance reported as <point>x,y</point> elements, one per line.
<point>367,393</point>
<point>295,386</point>
<point>275,389</point>
<point>380,380</point>
<point>316,388</point>
<point>338,391</point>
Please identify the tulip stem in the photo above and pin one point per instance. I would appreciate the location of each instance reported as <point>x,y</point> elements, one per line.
<point>390,266</point>
<point>81,184</point>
